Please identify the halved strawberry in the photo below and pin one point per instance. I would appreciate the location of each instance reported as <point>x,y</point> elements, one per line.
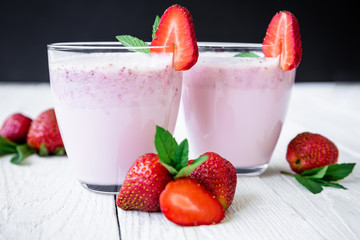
<point>283,38</point>
<point>187,203</point>
<point>176,30</point>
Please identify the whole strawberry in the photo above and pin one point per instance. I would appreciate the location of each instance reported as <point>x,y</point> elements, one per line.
<point>218,176</point>
<point>16,127</point>
<point>307,151</point>
<point>44,133</point>
<point>144,182</point>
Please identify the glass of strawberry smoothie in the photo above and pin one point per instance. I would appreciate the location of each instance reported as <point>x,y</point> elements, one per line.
<point>235,104</point>
<point>108,100</point>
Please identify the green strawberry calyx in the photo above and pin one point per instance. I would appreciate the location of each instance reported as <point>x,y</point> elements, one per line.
<point>175,156</point>
<point>317,178</point>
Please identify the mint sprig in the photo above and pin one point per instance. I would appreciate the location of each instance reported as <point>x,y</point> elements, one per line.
<point>155,26</point>
<point>130,41</point>
<point>135,44</point>
<point>247,54</point>
<point>175,156</point>
<point>315,179</point>
<point>19,151</point>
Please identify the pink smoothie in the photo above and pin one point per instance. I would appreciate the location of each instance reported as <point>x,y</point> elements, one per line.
<point>235,106</point>
<point>107,106</point>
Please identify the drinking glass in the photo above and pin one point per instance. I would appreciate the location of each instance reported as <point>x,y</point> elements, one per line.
<point>108,99</point>
<point>235,101</point>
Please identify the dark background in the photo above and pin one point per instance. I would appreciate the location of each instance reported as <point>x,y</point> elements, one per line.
<point>330,49</point>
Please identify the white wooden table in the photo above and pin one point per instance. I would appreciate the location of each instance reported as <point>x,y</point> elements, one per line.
<point>43,200</point>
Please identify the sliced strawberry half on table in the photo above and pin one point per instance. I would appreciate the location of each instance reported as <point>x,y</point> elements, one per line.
<point>283,39</point>
<point>176,30</point>
<point>187,203</point>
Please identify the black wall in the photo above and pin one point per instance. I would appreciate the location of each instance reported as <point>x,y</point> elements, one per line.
<point>330,49</point>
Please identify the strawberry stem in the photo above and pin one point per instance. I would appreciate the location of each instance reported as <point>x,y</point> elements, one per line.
<point>286,173</point>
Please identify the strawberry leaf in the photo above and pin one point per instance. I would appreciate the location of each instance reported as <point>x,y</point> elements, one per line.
<point>336,172</point>
<point>315,173</point>
<point>312,185</point>
<point>130,41</point>
<point>185,171</point>
<point>181,156</point>
<point>59,151</point>
<point>165,145</point>
<point>43,151</point>
<point>22,152</point>
<point>155,26</point>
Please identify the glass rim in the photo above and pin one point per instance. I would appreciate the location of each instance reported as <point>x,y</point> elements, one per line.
<point>118,46</point>
<point>96,46</point>
<point>230,44</point>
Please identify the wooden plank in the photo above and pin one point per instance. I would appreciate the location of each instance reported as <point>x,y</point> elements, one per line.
<point>43,200</point>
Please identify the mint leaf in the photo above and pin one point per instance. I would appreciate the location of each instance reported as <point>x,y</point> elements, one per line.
<point>7,146</point>
<point>315,173</point>
<point>165,145</point>
<point>5,150</point>
<point>246,54</point>
<point>181,155</point>
<point>173,156</point>
<point>6,142</point>
<point>22,152</point>
<point>185,171</point>
<point>317,178</point>
<point>171,169</point>
<point>309,183</point>
<point>130,41</point>
<point>330,184</point>
<point>336,172</point>
<point>155,26</point>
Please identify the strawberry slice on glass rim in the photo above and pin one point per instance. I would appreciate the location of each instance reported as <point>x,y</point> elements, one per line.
<point>176,31</point>
<point>283,39</point>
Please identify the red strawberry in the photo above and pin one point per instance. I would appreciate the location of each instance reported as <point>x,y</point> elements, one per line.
<point>176,30</point>
<point>16,127</point>
<point>187,203</point>
<point>144,182</point>
<point>218,176</point>
<point>44,132</point>
<point>307,151</point>
<point>283,39</point>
